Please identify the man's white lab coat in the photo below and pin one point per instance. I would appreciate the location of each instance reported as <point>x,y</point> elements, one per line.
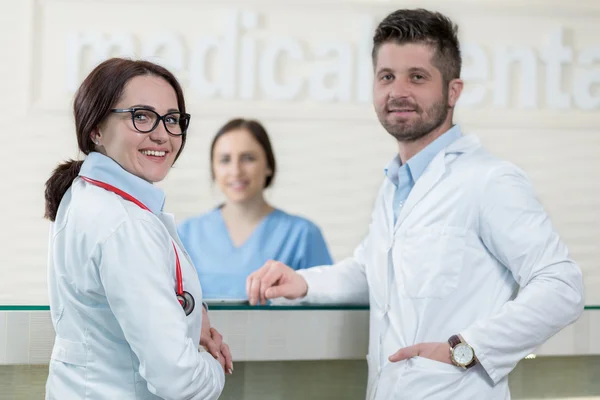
<point>470,234</point>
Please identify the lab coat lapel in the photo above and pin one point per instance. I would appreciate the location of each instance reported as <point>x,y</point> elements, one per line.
<point>381,271</point>
<point>432,175</point>
<point>169,222</point>
<point>435,172</point>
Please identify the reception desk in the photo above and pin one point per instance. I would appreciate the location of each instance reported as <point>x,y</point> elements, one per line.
<point>305,352</point>
<point>276,333</point>
<point>273,333</point>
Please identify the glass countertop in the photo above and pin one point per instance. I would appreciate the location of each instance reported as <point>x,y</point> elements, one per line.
<point>238,307</point>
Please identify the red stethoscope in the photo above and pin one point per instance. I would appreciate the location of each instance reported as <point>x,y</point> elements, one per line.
<point>185,299</point>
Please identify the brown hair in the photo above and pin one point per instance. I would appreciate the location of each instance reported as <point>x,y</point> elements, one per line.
<point>98,93</point>
<point>426,27</point>
<point>259,133</point>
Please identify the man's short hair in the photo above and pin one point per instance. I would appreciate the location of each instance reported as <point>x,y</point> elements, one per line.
<point>424,27</point>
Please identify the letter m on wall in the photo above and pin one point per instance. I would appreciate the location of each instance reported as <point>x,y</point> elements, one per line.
<point>86,50</point>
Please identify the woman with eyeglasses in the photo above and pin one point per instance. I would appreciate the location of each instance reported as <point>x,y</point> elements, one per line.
<point>125,299</point>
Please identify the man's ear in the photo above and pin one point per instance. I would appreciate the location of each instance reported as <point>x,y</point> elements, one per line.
<point>455,87</point>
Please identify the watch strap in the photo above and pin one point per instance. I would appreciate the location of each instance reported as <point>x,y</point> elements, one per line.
<point>454,340</point>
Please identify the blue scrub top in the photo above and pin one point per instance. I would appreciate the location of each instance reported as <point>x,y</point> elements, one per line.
<point>223,268</point>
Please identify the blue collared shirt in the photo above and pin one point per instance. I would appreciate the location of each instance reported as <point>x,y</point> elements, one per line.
<point>404,176</point>
<point>102,168</point>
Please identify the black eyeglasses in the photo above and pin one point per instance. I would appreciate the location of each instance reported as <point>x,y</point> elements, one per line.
<point>146,120</point>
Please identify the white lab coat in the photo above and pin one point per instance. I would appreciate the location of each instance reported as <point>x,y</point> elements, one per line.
<point>470,234</point>
<point>120,331</point>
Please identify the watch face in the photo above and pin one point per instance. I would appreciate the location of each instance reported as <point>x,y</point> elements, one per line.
<point>463,354</point>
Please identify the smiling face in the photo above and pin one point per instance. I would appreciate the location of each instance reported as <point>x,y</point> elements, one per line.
<point>410,96</point>
<point>146,155</point>
<point>240,166</point>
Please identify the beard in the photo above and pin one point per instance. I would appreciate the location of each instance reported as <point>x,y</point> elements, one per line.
<point>413,129</point>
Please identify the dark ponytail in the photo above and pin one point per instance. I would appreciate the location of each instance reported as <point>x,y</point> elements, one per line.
<point>99,91</point>
<point>58,184</point>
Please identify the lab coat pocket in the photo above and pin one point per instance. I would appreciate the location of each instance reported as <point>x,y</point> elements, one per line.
<point>142,390</point>
<point>67,370</point>
<point>429,260</point>
<point>430,379</point>
<point>69,352</point>
<point>433,365</point>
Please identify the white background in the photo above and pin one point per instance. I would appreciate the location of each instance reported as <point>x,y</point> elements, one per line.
<point>330,154</point>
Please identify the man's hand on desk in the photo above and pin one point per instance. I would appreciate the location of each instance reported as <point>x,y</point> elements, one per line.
<point>272,280</point>
<point>212,341</point>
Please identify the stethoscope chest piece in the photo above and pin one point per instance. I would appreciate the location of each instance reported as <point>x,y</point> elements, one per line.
<point>187,302</point>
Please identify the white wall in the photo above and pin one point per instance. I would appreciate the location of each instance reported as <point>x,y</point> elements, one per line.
<point>329,145</point>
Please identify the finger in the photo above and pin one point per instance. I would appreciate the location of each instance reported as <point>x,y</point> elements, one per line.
<point>257,281</point>
<point>284,290</point>
<point>212,347</point>
<point>405,353</point>
<point>228,358</point>
<point>248,284</point>
<point>269,279</point>
<point>259,273</point>
<point>205,338</point>
<point>249,280</point>
<point>254,291</point>
<point>251,285</point>
<point>216,337</point>
<point>221,361</point>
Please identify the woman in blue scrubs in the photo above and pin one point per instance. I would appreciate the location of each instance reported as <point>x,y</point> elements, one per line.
<point>233,240</point>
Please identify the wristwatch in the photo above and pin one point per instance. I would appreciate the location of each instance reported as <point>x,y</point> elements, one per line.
<point>461,354</point>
